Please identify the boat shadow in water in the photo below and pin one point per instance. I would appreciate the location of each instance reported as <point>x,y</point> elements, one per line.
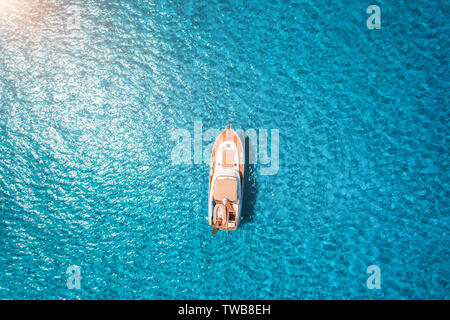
<point>250,186</point>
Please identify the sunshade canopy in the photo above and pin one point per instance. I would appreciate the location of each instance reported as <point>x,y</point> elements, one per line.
<point>225,188</point>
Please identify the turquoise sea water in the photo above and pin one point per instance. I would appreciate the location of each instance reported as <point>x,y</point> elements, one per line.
<point>91,92</point>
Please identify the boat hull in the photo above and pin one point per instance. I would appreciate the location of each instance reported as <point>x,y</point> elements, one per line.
<point>227,160</point>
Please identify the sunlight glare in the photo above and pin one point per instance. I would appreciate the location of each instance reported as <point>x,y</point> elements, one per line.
<point>5,5</point>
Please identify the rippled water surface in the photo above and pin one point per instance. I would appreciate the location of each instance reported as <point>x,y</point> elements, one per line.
<point>91,92</point>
